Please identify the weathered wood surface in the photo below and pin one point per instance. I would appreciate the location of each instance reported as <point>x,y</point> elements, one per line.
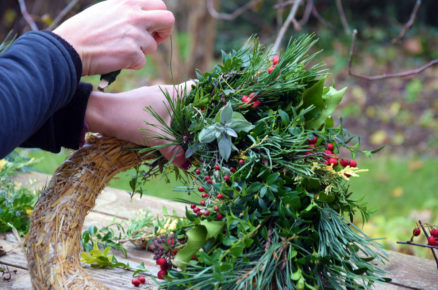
<point>407,272</point>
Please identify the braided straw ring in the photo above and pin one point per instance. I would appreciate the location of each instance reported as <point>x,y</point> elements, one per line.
<point>53,242</point>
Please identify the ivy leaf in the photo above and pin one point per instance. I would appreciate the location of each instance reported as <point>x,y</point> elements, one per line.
<point>224,145</point>
<point>239,123</point>
<point>226,113</point>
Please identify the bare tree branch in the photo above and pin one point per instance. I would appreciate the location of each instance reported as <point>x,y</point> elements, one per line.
<point>408,24</point>
<point>62,14</point>
<point>228,16</point>
<point>383,76</point>
<point>290,18</point>
<point>307,12</point>
<point>342,15</point>
<point>27,16</point>
<point>321,19</point>
<point>284,4</point>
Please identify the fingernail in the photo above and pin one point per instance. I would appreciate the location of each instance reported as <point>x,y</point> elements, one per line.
<point>186,165</point>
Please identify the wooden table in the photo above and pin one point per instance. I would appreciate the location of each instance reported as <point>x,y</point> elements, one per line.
<point>407,272</point>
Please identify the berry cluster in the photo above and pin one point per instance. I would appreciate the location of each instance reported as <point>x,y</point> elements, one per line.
<point>137,281</point>
<point>275,59</point>
<point>331,159</point>
<point>211,199</point>
<point>164,250</point>
<point>251,99</point>
<point>432,239</point>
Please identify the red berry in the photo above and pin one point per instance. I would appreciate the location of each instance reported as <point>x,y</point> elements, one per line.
<point>174,252</point>
<point>202,202</point>
<point>207,177</point>
<point>344,162</point>
<point>434,232</point>
<point>346,174</point>
<point>203,109</point>
<point>251,96</point>
<point>219,216</point>
<point>199,213</point>
<point>142,279</point>
<point>271,69</point>
<point>206,213</point>
<point>216,208</point>
<point>307,153</point>
<point>242,162</point>
<point>256,104</point>
<point>194,258</point>
<point>217,167</point>
<point>232,169</point>
<point>161,274</point>
<point>204,195</point>
<point>135,282</point>
<point>313,140</point>
<point>327,162</point>
<point>197,171</point>
<point>353,163</point>
<point>196,209</point>
<point>245,99</point>
<point>327,152</point>
<point>220,195</point>
<point>333,161</point>
<point>192,206</point>
<point>161,261</point>
<point>311,146</point>
<point>227,178</point>
<point>330,146</point>
<point>416,232</point>
<point>209,181</point>
<point>201,189</point>
<point>432,241</point>
<point>275,59</point>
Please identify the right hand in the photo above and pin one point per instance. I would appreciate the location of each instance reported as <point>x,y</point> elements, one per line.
<point>117,34</point>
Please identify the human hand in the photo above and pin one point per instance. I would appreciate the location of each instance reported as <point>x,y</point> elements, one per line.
<point>123,116</point>
<point>117,34</point>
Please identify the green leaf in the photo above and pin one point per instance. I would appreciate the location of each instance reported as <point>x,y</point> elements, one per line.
<point>196,239</point>
<point>214,228</point>
<point>313,96</point>
<point>285,120</point>
<point>331,100</point>
<point>239,123</point>
<point>207,135</point>
<point>224,145</point>
<point>227,113</point>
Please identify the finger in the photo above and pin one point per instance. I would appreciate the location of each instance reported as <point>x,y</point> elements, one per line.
<point>177,155</point>
<point>158,23</point>
<point>148,4</point>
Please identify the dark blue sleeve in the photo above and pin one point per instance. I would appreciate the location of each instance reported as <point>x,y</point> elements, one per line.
<point>41,101</point>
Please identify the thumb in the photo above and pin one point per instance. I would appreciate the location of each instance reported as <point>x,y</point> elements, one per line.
<point>177,155</point>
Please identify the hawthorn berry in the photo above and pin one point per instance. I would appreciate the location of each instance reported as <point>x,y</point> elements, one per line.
<point>217,167</point>
<point>227,178</point>
<point>245,99</point>
<point>161,261</point>
<point>232,169</point>
<point>333,161</point>
<point>135,282</point>
<point>197,171</point>
<point>330,146</point>
<point>220,216</point>
<point>344,162</point>
<point>256,104</point>
<point>220,195</point>
<point>434,232</point>
<point>205,194</point>
<point>353,163</point>
<point>192,206</point>
<point>431,240</point>
<point>207,177</point>
<point>242,162</point>
<point>161,274</point>
<point>142,279</point>
<point>202,202</point>
<point>313,140</point>
<point>216,208</point>
<point>209,181</point>
<point>275,59</point>
<point>206,213</point>
<point>271,69</point>
<point>201,189</point>
<point>416,232</point>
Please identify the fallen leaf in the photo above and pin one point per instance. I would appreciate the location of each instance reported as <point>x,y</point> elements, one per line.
<point>397,192</point>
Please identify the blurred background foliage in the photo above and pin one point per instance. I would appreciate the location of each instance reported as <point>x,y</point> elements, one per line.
<point>401,114</point>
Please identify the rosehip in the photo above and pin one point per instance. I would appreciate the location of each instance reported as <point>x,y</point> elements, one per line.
<point>161,274</point>
<point>434,232</point>
<point>432,241</point>
<point>201,189</point>
<point>204,195</point>
<point>275,59</point>
<point>245,99</point>
<point>256,104</point>
<point>330,146</point>
<point>135,282</point>
<point>227,178</point>
<point>206,213</point>
<point>313,140</point>
<point>217,167</point>
<point>207,177</point>
<point>219,216</point>
<point>197,171</point>
<point>220,195</point>
<point>416,232</point>
<point>192,206</point>
<point>242,162</point>
<point>202,202</point>
<point>271,69</point>
<point>216,208</point>
<point>232,169</point>
<point>142,279</point>
<point>353,163</point>
<point>344,163</point>
<point>333,161</point>
<point>161,261</point>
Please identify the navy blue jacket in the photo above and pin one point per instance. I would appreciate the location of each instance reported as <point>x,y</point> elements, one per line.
<point>42,102</point>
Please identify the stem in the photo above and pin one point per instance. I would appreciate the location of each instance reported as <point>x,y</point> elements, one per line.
<point>427,237</point>
<point>290,18</point>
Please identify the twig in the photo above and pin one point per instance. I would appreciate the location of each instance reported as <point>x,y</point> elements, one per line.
<point>383,76</point>
<point>427,237</point>
<point>419,245</point>
<point>342,16</point>
<point>229,16</point>
<point>290,18</point>
<point>321,19</point>
<point>27,16</point>
<point>408,24</point>
<point>284,4</point>
<point>307,12</point>
<point>62,14</point>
